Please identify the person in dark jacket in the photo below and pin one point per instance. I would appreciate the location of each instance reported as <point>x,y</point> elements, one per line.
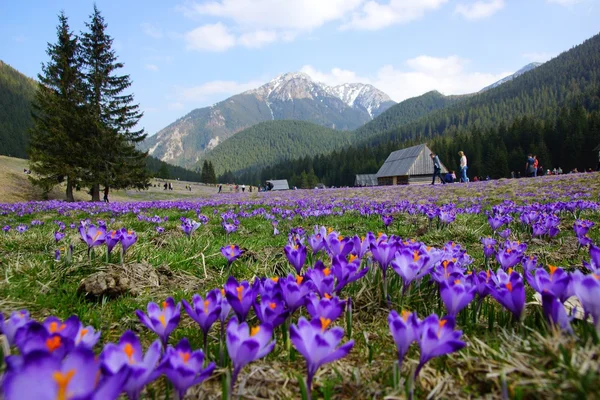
<point>437,168</point>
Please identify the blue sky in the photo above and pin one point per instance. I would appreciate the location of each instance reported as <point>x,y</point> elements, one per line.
<point>185,54</point>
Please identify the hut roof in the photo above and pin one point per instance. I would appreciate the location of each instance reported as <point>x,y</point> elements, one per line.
<point>366,180</point>
<point>413,160</point>
<point>281,184</point>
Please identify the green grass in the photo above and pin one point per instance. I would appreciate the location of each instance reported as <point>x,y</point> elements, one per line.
<point>525,360</point>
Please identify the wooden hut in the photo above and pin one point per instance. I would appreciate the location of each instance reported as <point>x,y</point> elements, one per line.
<point>365,180</point>
<point>410,165</point>
<point>280,184</point>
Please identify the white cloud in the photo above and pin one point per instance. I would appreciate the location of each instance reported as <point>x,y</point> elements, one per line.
<point>275,14</point>
<point>151,30</point>
<point>375,15</point>
<point>152,67</point>
<point>448,75</point>
<point>565,2</point>
<point>255,23</point>
<point>537,57</point>
<point>212,37</point>
<point>479,9</point>
<point>257,38</point>
<point>213,90</point>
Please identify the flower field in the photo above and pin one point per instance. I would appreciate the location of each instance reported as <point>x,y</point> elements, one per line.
<point>490,289</point>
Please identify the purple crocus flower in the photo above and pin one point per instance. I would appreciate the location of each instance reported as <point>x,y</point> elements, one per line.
<point>555,312</point>
<point>529,263</point>
<point>383,252</point>
<point>160,229</point>
<point>346,271</point>
<point>511,293</point>
<point>67,329</point>
<point>557,281</point>
<point>92,236</point>
<point>321,278</point>
<point>316,242</point>
<point>241,296</point>
<point>112,238</point>
<point>87,336</point>
<point>363,245</point>
<point>594,264</point>
<point>204,311</point>
<point>327,307</point>
<point>387,220</point>
<point>229,228</point>
<point>582,227</point>
<point>231,253</point>
<point>128,356</point>
<point>508,257</point>
<point>587,290</point>
<point>409,264</point>
<point>44,377</point>
<point>296,255</point>
<point>504,234</point>
<point>22,228</point>
<point>294,290</point>
<point>128,238</point>
<point>184,367</point>
<point>456,294</point>
<point>161,320</point>
<point>488,247</point>
<point>405,330</point>
<point>338,245</point>
<point>482,281</point>
<point>10,325</point>
<point>437,337</point>
<point>318,345</point>
<point>495,222</point>
<point>34,337</point>
<point>271,310</point>
<point>58,235</point>
<point>6,228</point>
<point>245,345</point>
<point>189,226</point>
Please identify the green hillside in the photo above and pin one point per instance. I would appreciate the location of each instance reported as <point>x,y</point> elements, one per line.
<point>273,141</point>
<point>551,110</point>
<point>16,93</point>
<point>405,112</point>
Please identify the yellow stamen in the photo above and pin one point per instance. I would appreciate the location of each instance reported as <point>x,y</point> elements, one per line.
<point>352,258</point>
<point>254,330</point>
<point>222,292</point>
<point>299,279</point>
<point>416,256</point>
<point>327,296</point>
<point>510,270</point>
<point>326,271</point>
<point>324,323</point>
<point>161,318</point>
<point>275,279</point>
<point>240,292</point>
<point>62,381</point>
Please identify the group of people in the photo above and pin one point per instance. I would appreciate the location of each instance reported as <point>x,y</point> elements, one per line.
<point>450,176</point>
<point>235,188</point>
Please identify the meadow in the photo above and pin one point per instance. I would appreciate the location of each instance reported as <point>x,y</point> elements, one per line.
<point>495,287</point>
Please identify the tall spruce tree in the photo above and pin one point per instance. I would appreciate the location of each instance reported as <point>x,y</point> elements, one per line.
<point>112,134</point>
<point>56,150</point>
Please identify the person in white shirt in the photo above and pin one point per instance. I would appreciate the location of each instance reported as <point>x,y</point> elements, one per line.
<point>463,167</point>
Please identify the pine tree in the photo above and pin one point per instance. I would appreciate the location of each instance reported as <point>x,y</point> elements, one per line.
<point>55,148</point>
<point>112,133</point>
<point>163,172</point>
<point>204,174</point>
<point>211,177</point>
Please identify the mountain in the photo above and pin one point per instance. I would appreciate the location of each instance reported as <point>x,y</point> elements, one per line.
<point>274,141</point>
<point>552,110</point>
<point>291,96</point>
<point>520,72</point>
<point>16,94</point>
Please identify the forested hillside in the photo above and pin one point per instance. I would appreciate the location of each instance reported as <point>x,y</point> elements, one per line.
<point>16,94</point>
<point>273,141</point>
<point>161,169</point>
<point>551,110</point>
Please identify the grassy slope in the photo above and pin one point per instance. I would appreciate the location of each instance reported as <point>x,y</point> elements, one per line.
<point>534,366</point>
<point>16,187</point>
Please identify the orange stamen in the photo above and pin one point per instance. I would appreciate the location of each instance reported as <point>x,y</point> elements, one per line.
<point>240,292</point>
<point>457,281</point>
<point>275,279</point>
<point>405,315</point>
<point>162,320</point>
<point>53,343</point>
<point>128,350</point>
<point>62,381</point>
<point>324,323</point>
<point>326,271</point>
<point>185,357</point>
<point>352,258</point>
<point>509,286</point>
<point>272,305</point>
<point>299,279</point>
<point>206,304</point>
<point>416,256</point>
<point>254,330</point>
<point>552,269</point>
<point>327,296</point>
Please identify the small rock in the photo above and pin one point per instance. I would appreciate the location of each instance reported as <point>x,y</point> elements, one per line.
<point>102,284</point>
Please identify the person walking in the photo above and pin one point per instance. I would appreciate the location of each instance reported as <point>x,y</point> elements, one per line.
<point>437,168</point>
<point>106,194</point>
<point>529,166</point>
<point>243,188</point>
<point>535,165</point>
<point>463,167</point>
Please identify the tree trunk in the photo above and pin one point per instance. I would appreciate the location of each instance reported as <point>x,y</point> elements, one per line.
<point>70,197</point>
<point>96,192</point>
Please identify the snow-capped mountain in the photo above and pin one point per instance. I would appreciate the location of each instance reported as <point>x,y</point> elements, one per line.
<point>290,96</point>
<point>526,68</point>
